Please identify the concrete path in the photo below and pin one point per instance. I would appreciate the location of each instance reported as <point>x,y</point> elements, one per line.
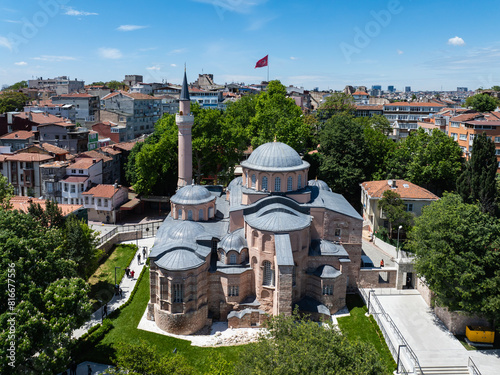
<point>431,341</point>
<point>376,254</point>
<point>96,368</point>
<point>127,285</point>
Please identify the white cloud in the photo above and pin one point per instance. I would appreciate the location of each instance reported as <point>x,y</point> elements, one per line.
<point>173,65</point>
<point>130,27</point>
<point>4,42</point>
<point>399,52</point>
<point>154,67</point>
<point>110,53</point>
<point>293,58</point>
<point>52,58</point>
<point>73,12</point>
<point>178,51</point>
<point>238,6</point>
<point>456,41</point>
<point>21,63</point>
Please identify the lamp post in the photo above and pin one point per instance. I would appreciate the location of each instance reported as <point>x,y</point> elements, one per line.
<point>397,247</point>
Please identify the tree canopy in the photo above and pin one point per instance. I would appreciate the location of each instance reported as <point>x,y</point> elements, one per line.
<point>12,101</point>
<point>481,103</point>
<point>393,207</point>
<point>18,85</point>
<point>478,181</point>
<point>432,161</point>
<point>457,252</point>
<point>6,191</point>
<point>295,345</point>
<point>336,103</point>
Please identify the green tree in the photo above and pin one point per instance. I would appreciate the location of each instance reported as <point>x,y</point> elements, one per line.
<point>336,103</point>
<point>456,247</point>
<point>50,301</point>
<point>477,184</point>
<point>432,161</point>
<point>394,209</point>
<point>413,97</point>
<point>6,192</point>
<point>98,83</point>
<point>295,345</point>
<point>278,117</point>
<point>115,85</point>
<point>50,216</point>
<point>343,157</point>
<point>80,245</point>
<point>12,101</point>
<point>18,85</point>
<point>496,88</point>
<point>481,103</point>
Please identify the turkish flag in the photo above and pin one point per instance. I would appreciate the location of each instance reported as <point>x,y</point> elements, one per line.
<point>262,62</point>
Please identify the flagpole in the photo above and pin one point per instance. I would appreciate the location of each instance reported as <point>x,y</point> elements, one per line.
<point>268,71</point>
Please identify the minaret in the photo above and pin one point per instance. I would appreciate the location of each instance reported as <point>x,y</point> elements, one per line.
<point>184,120</point>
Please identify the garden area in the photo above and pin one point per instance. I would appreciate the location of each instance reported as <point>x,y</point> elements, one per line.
<point>102,281</point>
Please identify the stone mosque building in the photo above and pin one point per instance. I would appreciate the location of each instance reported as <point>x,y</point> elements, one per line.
<point>271,241</point>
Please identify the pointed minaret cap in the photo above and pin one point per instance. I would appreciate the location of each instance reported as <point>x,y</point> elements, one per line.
<point>185,89</point>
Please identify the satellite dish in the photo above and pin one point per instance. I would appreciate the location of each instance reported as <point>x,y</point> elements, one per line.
<point>389,182</point>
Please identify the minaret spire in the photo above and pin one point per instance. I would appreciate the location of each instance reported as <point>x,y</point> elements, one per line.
<point>184,120</point>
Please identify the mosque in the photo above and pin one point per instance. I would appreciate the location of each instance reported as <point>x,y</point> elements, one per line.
<point>270,242</point>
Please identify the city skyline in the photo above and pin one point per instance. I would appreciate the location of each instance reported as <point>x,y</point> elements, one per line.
<point>425,45</point>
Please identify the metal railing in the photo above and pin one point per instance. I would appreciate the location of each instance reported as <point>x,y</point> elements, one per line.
<point>400,342</point>
<point>472,367</point>
<point>148,230</point>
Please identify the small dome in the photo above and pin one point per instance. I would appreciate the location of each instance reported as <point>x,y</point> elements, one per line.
<point>192,194</point>
<point>235,182</point>
<point>275,156</point>
<point>184,230</point>
<point>179,260</point>
<point>327,272</point>
<point>234,241</point>
<point>322,185</point>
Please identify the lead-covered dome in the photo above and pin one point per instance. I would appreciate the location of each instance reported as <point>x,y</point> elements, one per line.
<point>275,156</point>
<point>321,185</point>
<point>234,241</point>
<point>192,194</point>
<point>185,231</point>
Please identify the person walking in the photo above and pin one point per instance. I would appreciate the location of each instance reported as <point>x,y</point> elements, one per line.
<point>381,263</point>
<point>127,271</point>
<point>105,310</point>
<point>89,370</point>
<point>121,293</point>
<point>72,368</point>
<point>132,273</point>
<point>144,251</point>
<point>138,258</point>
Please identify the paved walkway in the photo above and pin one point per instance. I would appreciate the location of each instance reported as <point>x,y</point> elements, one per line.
<point>127,284</point>
<point>433,344</point>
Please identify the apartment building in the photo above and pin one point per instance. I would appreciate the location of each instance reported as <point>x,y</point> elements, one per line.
<point>61,85</point>
<point>103,202</point>
<point>24,173</point>
<point>65,135</point>
<point>87,106</point>
<point>17,140</point>
<point>80,176</point>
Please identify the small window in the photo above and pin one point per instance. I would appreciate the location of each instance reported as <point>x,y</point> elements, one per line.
<point>73,171</point>
<point>190,214</point>
<point>277,184</point>
<point>289,184</point>
<point>180,213</point>
<point>232,259</point>
<point>299,182</point>
<point>73,188</point>
<point>268,277</point>
<point>254,180</point>
<point>234,291</point>
<point>178,293</point>
<point>338,232</point>
<point>201,214</point>
<point>99,202</point>
<point>409,207</point>
<point>264,183</point>
<point>80,171</point>
<point>222,256</point>
<point>327,290</point>
<point>86,200</point>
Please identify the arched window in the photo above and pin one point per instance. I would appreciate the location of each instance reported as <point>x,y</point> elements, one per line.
<point>246,178</point>
<point>190,214</point>
<point>277,184</point>
<point>254,180</point>
<point>201,215</point>
<point>232,258</point>
<point>268,278</point>
<point>299,182</point>
<point>264,183</point>
<point>180,213</point>
<point>289,184</point>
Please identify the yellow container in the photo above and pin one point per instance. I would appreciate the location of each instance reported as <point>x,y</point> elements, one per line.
<point>480,334</point>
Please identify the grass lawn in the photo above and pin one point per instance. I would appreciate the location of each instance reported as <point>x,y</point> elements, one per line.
<point>359,327</point>
<point>125,331</point>
<point>103,280</point>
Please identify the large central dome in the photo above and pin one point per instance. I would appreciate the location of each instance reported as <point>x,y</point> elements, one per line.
<point>275,156</point>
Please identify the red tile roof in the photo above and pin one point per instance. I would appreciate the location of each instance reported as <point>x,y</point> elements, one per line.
<point>20,134</point>
<point>132,95</point>
<point>23,204</point>
<point>53,149</point>
<point>360,93</point>
<point>466,117</point>
<point>76,95</point>
<point>76,179</point>
<point>369,107</point>
<point>102,191</point>
<point>95,155</point>
<point>375,189</point>
<point>83,163</point>
<point>110,150</point>
<point>126,146</point>
<point>41,118</point>
<point>27,156</point>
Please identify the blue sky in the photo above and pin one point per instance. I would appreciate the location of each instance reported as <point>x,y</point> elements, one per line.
<point>326,44</point>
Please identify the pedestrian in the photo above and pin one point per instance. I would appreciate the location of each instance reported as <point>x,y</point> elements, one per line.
<point>381,263</point>
<point>127,271</point>
<point>121,293</point>
<point>105,310</point>
<point>132,273</point>
<point>117,289</point>
<point>89,370</point>
<point>138,258</point>
<point>144,252</point>
<point>72,368</point>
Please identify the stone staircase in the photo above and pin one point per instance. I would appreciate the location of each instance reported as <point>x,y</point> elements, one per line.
<point>443,370</point>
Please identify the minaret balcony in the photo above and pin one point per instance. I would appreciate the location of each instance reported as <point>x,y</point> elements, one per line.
<point>184,119</point>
